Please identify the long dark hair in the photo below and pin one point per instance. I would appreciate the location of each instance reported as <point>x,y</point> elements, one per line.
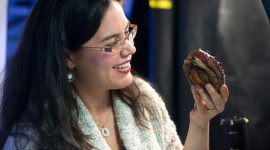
<point>35,88</point>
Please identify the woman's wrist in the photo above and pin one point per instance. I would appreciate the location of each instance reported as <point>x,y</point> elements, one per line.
<point>198,135</point>
<point>199,123</point>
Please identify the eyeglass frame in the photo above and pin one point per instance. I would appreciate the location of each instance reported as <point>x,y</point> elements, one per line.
<point>133,28</point>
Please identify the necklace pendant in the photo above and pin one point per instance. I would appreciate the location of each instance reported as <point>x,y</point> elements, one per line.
<point>105,131</point>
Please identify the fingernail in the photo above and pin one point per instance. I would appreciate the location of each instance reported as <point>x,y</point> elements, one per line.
<point>198,86</point>
<point>209,87</point>
<point>223,88</point>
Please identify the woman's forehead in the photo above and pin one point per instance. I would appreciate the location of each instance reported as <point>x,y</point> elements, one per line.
<point>113,22</point>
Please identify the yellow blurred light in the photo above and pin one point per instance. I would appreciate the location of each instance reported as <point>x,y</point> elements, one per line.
<point>160,4</point>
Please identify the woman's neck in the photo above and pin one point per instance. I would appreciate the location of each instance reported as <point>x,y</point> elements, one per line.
<point>97,101</point>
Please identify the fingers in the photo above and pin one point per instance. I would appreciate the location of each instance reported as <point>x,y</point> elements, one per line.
<point>195,94</point>
<point>199,104</point>
<point>206,97</point>
<point>224,92</point>
<point>219,99</point>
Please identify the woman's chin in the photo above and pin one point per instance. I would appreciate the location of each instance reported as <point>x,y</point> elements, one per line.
<point>124,82</point>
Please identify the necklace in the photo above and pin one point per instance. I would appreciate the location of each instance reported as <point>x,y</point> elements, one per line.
<point>105,131</point>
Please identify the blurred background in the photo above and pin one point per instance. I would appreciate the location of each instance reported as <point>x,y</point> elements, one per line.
<point>236,31</point>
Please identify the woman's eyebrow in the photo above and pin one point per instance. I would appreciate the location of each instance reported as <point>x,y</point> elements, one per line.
<point>109,37</point>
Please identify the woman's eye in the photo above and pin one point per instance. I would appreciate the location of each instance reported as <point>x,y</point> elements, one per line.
<point>112,44</point>
<point>127,33</point>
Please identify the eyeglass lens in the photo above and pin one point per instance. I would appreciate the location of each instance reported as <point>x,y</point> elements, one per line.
<point>132,33</point>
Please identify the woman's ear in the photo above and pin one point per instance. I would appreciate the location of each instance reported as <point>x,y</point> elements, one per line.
<point>70,60</point>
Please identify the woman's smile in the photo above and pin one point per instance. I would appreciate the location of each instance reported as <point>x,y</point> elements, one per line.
<point>123,68</point>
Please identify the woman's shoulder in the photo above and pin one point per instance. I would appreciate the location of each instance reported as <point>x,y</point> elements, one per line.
<point>22,136</point>
<point>161,122</point>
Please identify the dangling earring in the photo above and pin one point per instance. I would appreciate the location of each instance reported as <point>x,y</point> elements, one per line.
<point>70,77</point>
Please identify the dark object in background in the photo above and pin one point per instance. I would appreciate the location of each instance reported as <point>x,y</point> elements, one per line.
<point>235,133</point>
<point>140,16</point>
<point>266,4</point>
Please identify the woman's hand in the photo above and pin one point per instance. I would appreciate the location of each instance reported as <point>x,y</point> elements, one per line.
<point>208,103</point>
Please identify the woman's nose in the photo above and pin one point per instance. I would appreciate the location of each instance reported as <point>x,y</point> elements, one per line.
<point>128,48</point>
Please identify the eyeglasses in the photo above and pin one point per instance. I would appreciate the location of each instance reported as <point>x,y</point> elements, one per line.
<point>118,45</point>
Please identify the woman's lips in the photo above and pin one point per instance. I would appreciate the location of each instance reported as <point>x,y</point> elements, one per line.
<point>123,68</point>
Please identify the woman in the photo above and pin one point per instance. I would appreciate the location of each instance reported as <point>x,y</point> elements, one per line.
<point>69,86</point>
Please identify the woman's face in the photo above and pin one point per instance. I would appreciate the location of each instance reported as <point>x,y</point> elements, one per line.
<point>101,70</point>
